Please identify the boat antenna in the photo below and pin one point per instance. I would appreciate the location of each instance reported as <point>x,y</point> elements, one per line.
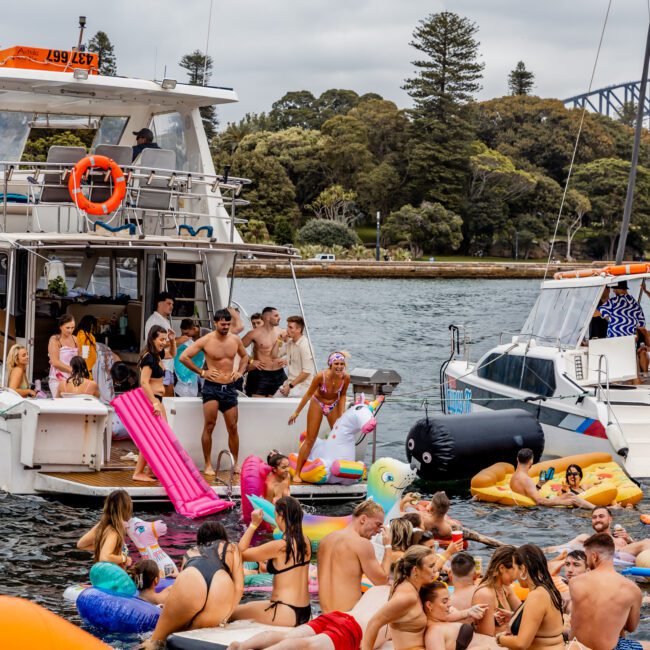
<point>207,44</point>
<point>629,197</point>
<point>575,148</point>
<point>82,26</point>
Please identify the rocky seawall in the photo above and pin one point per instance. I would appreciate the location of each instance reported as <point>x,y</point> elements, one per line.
<point>401,270</point>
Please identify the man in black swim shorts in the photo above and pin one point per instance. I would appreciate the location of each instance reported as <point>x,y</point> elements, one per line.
<point>267,374</point>
<point>219,391</point>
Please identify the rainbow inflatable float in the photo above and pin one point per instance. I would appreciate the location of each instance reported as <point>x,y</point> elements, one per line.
<point>332,459</point>
<point>609,483</point>
<point>387,480</point>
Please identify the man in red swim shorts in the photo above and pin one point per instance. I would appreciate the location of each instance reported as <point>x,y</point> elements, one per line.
<point>333,631</point>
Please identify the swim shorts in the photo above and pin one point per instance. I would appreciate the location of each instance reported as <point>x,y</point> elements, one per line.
<point>343,630</point>
<point>628,644</point>
<point>264,382</point>
<point>225,394</point>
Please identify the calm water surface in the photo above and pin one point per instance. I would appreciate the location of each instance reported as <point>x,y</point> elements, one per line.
<point>399,324</point>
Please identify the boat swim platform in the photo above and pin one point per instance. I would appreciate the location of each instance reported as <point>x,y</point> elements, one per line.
<point>100,484</point>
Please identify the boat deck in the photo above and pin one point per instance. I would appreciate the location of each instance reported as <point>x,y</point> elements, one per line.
<point>118,472</point>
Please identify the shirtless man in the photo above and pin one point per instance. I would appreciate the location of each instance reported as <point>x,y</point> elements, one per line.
<point>463,573</point>
<point>266,375</point>
<point>604,595</point>
<point>344,555</point>
<point>522,484</point>
<point>219,394</point>
<point>601,522</point>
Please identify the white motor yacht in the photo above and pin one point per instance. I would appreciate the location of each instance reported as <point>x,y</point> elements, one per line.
<point>587,394</point>
<point>174,230</point>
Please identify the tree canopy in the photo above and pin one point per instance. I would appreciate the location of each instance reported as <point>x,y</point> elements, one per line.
<point>101,44</point>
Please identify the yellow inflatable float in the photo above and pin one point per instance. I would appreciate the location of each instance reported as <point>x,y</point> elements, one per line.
<point>606,481</point>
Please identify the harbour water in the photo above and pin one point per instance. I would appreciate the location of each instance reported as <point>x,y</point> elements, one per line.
<point>399,324</point>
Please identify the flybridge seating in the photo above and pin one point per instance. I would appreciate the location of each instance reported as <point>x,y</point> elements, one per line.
<point>158,200</point>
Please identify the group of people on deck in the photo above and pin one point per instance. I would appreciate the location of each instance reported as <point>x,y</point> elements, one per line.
<point>217,365</point>
<point>409,601</point>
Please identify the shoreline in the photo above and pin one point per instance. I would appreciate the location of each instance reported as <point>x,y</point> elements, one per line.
<point>403,270</point>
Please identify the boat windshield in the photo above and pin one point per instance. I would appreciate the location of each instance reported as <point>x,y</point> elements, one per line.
<point>561,315</point>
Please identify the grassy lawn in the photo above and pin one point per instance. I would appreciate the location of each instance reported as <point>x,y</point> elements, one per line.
<point>470,258</point>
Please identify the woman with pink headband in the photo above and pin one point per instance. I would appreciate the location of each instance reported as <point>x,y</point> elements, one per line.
<point>326,397</point>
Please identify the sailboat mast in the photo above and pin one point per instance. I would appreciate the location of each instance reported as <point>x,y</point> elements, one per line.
<point>625,225</point>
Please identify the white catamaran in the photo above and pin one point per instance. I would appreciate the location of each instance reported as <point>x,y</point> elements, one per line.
<point>174,230</point>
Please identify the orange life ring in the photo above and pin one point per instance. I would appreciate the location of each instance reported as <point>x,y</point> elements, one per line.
<point>618,269</point>
<point>119,185</point>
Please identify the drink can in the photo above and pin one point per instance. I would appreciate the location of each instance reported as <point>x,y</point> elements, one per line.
<point>436,546</point>
<point>618,527</point>
<point>478,566</point>
<point>456,535</point>
<point>85,351</point>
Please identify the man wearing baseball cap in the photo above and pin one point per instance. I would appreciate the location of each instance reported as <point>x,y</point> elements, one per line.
<point>143,140</point>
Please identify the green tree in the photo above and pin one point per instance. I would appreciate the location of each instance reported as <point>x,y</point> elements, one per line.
<point>575,208</point>
<point>539,134</point>
<point>335,204</point>
<point>604,183</point>
<point>284,232</point>
<point>428,229</point>
<point>520,80</point>
<point>271,193</point>
<point>446,79</point>
<point>327,233</point>
<point>334,102</point>
<point>295,108</point>
<point>199,71</point>
<point>627,114</point>
<point>256,232</point>
<point>101,44</point>
<point>40,141</point>
<point>345,149</point>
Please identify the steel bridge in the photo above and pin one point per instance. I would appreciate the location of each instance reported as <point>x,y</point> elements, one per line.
<point>611,100</point>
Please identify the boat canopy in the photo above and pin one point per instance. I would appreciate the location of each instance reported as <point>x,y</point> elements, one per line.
<point>564,308</point>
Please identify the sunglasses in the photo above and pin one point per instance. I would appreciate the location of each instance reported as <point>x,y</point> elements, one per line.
<point>572,474</point>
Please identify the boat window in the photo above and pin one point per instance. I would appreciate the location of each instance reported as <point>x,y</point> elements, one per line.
<point>170,134</point>
<point>560,315</point>
<point>503,369</point>
<point>532,375</point>
<point>14,129</point>
<point>538,376</point>
<point>110,130</point>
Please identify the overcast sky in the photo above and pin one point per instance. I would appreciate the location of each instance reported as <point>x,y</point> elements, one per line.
<point>264,48</point>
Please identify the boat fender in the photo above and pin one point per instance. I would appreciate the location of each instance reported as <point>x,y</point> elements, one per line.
<point>453,447</point>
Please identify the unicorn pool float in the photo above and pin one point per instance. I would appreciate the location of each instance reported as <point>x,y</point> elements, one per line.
<point>332,459</point>
<point>387,480</point>
<point>145,534</point>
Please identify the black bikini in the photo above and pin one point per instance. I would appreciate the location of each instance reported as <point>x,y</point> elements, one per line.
<point>515,624</point>
<point>157,371</point>
<point>465,636</point>
<point>302,614</point>
<point>209,563</point>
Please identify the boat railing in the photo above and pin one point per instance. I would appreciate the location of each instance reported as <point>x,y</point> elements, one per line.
<point>184,197</point>
<point>555,341</point>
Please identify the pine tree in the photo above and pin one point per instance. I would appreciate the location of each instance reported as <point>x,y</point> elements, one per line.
<point>520,80</point>
<point>447,77</point>
<point>199,70</point>
<point>101,44</point>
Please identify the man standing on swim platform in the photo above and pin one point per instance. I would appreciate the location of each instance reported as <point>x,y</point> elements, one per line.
<point>219,392</point>
<point>267,374</point>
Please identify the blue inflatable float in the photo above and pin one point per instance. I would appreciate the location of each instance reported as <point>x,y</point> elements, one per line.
<point>111,603</point>
<point>638,571</point>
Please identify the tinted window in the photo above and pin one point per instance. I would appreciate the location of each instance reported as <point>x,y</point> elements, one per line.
<point>531,375</point>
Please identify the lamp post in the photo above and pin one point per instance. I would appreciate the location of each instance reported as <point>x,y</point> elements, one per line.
<point>378,229</point>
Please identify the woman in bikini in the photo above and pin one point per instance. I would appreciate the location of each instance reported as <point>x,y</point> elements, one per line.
<point>79,382</point>
<point>207,589</point>
<point>17,363</point>
<point>61,348</point>
<point>443,630</point>
<point>538,623</point>
<point>496,592</point>
<point>287,559</point>
<point>403,613</point>
<point>278,479</point>
<point>152,373</point>
<point>326,397</point>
